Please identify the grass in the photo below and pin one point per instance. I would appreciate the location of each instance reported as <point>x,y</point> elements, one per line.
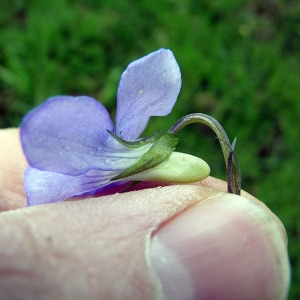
<point>240,63</point>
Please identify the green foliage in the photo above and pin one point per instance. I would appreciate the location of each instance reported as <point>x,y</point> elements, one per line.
<point>239,59</point>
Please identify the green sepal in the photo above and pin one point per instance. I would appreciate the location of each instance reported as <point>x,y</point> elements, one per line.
<point>162,146</point>
<point>139,142</point>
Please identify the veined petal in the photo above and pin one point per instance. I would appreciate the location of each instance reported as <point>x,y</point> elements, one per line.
<point>43,187</point>
<point>148,87</point>
<point>68,135</point>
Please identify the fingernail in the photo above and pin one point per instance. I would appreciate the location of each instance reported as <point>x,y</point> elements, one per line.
<point>223,248</point>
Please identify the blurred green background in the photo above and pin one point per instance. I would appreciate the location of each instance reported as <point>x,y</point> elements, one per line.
<point>240,63</point>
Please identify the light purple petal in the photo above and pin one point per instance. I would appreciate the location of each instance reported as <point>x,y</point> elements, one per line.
<point>43,187</point>
<point>67,135</point>
<point>148,87</point>
<point>46,186</point>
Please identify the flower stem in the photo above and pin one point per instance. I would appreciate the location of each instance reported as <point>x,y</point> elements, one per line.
<point>231,160</point>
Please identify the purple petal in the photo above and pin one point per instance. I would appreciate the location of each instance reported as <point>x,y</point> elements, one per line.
<point>67,135</point>
<point>148,87</point>
<point>48,187</point>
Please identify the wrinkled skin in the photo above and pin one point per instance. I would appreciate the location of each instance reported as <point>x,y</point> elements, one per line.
<point>186,241</point>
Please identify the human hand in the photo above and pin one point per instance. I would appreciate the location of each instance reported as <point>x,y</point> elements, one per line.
<point>181,241</point>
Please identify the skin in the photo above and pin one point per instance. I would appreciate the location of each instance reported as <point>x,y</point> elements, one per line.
<point>158,241</point>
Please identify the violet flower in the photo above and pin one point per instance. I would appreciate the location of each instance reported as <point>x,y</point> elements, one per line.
<point>67,142</point>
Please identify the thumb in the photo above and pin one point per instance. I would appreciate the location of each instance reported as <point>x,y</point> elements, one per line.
<point>226,247</point>
<point>174,242</point>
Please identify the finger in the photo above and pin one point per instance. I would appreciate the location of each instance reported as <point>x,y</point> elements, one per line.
<point>226,247</point>
<point>13,164</point>
<point>184,241</point>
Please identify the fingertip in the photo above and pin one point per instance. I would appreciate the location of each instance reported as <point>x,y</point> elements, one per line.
<point>223,248</point>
